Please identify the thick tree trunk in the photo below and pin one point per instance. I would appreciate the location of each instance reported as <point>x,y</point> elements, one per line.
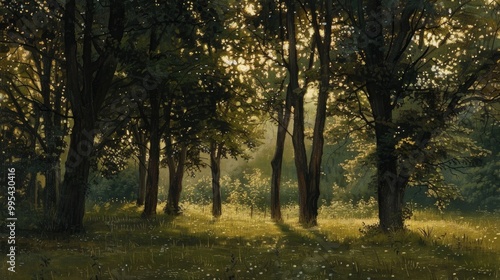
<point>86,102</point>
<point>215,158</point>
<point>390,191</point>
<point>277,161</point>
<point>174,195</point>
<point>151,200</point>
<point>390,188</point>
<point>175,183</point>
<point>71,208</point>
<point>170,208</point>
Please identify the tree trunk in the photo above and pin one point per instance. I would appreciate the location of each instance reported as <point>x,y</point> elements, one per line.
<point>172,189</point>
<point>390,189</point>
<point>277,161</point>
<point>313,188</point>
<point>151,201</point>
<point>323,45</point>
<point>175,182</point>
<point>141,192</point>
<point>306,213</point>
<point>86,102</point>
<point>51,185</point>
<point>215,158</point>
<point>52,125</point>
<point>71,208</point>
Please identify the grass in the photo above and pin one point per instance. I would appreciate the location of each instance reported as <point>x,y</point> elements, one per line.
<point>120,245</point>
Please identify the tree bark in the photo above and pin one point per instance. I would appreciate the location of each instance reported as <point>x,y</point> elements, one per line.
<point>389,192</point>
<point>151,200</point>
<point>277,161</point>
<point>86,101</point>
<point>51,185</point>
<point>52,124</point>
<point>309,174</point>
<point>143,169</point>
<point>176,173</point>
<point>390,184</point>
<point>305,217</point>
<point>71,209</point>
<point>323,46</point>
<point>215,159</point>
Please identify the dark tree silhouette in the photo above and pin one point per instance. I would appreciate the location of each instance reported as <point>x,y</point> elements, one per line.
<point>87,85</point>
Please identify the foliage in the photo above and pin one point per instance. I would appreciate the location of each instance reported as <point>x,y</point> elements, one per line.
<point>478,184</point>
<point>249,190</point>
<point>119,187</point>
<point>219,67</point>
<point>198,192</point>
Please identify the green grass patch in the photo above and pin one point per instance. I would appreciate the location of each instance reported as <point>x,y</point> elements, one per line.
<point>246,244</point>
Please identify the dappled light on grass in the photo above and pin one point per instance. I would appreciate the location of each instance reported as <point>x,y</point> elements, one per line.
<point>118,244</point>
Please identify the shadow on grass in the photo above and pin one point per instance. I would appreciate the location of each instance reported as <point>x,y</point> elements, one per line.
<point>193,246</point>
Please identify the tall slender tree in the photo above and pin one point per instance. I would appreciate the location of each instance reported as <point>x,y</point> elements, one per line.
<point>309,173</point>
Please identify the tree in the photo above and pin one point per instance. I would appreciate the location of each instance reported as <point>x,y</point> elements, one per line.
<point>226,135</point>
<point>33,32</point>
<point>479,183</point>
<point>137,59</point>
<point>272,21</point>
<point>226,95</point>
<point>201,106</point>
<point>309,174</point>
<point>140,138</point>
<point>153,170</point>
<point>87,86</point>
<point>163,62</point>
<point>403,52</point>
<point>306,68</point>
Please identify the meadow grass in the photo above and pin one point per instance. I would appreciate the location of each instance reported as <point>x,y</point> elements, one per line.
<point>245,244</point>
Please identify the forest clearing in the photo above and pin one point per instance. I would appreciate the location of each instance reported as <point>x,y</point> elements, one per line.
<point>250,139</point>
<point>120,245</point>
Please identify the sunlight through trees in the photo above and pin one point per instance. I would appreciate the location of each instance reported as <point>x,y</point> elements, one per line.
<point>378,99</point>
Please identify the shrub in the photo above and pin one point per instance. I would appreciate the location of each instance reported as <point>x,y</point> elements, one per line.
<point>122,186</point>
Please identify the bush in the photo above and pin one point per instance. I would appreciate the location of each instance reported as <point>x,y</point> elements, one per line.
<point>122,186</point>
<point>199,193</point>
<point>251,189</point>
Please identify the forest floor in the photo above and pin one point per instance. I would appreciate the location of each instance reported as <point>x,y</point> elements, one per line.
<point>118,244</point>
